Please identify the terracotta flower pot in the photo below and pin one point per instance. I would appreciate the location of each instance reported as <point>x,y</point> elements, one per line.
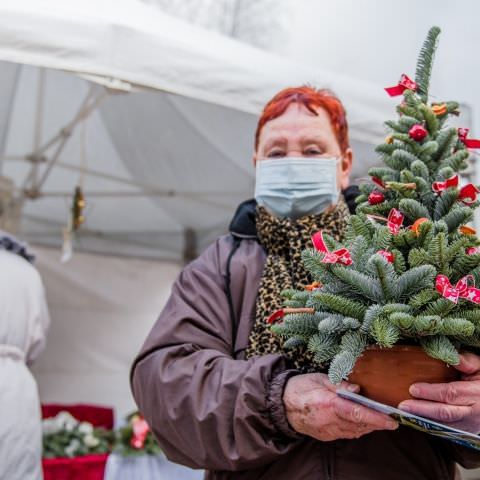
<point>385,374</point>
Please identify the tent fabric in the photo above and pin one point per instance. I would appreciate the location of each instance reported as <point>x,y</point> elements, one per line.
<point>101,310</point>
<point>137,43</point>
<point>164,164</point>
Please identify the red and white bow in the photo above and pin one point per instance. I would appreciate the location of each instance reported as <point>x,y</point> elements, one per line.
<point>405,83</point>
<point>438,187</point>
<point>461,290</point>
<point>468,142</point>
<point>394,221</point>
<point>342,255</point>
<point>468,193</point>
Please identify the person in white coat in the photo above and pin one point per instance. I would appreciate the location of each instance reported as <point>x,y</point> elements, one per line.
<point>24,321</point>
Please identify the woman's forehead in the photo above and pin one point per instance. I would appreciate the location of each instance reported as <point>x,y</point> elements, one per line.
<point>298,121</point>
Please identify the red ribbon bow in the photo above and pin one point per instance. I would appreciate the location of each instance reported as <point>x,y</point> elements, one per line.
<point>378,181</point>
<point>405,83</point>
<point>468,193</point>
<point>140,431</point>
<point>460,290</point>
<point>394,221</point>
<point>342,255</point>
<point>469,143</point>
<point>437,187</point>
<point>275,316</point>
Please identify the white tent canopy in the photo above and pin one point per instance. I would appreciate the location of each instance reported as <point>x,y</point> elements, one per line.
<point>156,124</point>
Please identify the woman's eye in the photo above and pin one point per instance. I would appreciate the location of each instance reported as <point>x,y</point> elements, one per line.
<point>275,154</point>
<point>313,151</point>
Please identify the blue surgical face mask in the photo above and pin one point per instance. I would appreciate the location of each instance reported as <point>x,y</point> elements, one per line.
<point>294,187</point>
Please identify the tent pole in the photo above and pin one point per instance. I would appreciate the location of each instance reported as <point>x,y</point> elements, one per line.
<point>85,110</point>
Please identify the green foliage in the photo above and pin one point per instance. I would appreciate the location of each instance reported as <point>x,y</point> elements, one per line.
<point>425,63</point>
<point>323,346</point>
<point>373,301</point>
<point>351,347</point>
<point>442,348</point>
<point>413,209</point>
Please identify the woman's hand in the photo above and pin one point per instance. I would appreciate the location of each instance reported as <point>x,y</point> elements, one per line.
<point>456,404</point>
<point>313,408</point>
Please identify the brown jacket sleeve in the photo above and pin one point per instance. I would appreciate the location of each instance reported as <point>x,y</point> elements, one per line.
<point>206,409</point>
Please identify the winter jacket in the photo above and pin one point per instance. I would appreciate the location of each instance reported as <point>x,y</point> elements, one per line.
<point>211,409</point>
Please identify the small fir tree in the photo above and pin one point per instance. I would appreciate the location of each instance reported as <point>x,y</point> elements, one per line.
<point>409,264</point>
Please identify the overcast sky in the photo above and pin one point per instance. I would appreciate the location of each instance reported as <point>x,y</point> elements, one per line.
<point>377,40</point>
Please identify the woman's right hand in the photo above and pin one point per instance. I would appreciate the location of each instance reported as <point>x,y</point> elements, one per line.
<point>314,409</point>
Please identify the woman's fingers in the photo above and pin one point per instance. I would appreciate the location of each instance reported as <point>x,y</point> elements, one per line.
<point>440,412</point>
<point>362,416</point>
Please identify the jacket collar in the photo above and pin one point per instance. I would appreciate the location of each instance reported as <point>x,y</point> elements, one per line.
<point>243,224</point>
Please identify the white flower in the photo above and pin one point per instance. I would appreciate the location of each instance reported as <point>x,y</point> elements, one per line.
<point>66,421</point>
<point>90,441</point>
<point>71,449</point>
<point>50,425</point>
<point>85,428</point>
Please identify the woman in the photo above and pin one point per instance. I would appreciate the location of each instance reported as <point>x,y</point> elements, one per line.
<point>24,321</point>
<point>214,383</point>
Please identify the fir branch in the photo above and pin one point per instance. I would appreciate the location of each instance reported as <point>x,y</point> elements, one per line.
<point>385,275</point>
<point>422,298</point>
<point>413,209</point>
<point>456,326</point>
<point>456,161</point>
<point>420,169</point>
<point>414,280</point>
<point>457,217</point>
<point>345,306</point>
<point>425,63</point>
<point>446,140</point>
<point>445,201</point>
<point>424,325</point>
<point>294,342</point>
<point>360,283</point>
<point>352,346</point>
<point>441,307</point>
<point>323,346</point>
<point>440,347</point>
<point>385,333</point>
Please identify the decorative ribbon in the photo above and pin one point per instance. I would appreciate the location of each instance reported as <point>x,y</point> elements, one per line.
<point>378,181</point>
<point>388,256</point>
<point>394,221</point>
<point>275,316</point>
<point>438,187</point>
<point>468,193</point>
<point>472,250</point>
<point>342,255</point>
<point>470,142</point>
<point>140,431</point>
<point>460,290</point>
<point>405,83</point>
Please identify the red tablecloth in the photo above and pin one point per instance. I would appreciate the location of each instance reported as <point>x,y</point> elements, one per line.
<point>96,415</point>
<point>88,467</point>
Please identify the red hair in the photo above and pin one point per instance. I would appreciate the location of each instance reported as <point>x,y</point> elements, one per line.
<point>311,98</point>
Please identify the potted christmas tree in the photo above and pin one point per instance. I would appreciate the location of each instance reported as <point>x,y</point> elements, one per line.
<point>404,278</point>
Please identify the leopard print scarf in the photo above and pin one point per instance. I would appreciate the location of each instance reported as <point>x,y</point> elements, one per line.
<point>284,240</point>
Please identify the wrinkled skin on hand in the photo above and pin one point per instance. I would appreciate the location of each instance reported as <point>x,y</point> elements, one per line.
<point>314,409</point>
<point>456,404</point>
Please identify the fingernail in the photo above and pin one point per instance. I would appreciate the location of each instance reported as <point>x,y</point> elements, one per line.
<point>404,407</point>
<point>414,390</point>
<point>352,388</point>
<point>392,425</point>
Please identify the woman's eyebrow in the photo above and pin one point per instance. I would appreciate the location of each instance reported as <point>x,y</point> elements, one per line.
<point>313,139</point>
<point>280,140</point>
